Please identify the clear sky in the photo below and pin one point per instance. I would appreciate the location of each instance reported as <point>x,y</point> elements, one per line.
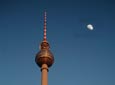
<point>82,57</point>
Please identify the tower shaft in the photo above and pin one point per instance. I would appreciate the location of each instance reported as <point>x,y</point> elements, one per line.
<point>44,76</point>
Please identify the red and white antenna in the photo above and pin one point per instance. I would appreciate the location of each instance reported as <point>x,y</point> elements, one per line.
<point>45,38</point>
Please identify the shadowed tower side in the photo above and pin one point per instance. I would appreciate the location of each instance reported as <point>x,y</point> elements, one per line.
<point>44,58</point>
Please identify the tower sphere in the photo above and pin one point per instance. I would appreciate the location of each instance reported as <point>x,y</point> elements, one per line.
<point>44,56</point>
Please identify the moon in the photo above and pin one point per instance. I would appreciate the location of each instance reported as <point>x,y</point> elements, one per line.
<point>90,27</point>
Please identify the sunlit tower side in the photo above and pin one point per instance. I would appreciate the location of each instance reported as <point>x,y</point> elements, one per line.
<point>44,58</point>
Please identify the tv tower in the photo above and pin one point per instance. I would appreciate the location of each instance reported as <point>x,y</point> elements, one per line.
<point>44,58</point>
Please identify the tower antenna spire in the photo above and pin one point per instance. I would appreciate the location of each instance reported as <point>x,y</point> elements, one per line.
<point>45,37</point>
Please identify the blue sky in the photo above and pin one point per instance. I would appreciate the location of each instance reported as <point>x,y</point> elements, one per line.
<point>82,57</point>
